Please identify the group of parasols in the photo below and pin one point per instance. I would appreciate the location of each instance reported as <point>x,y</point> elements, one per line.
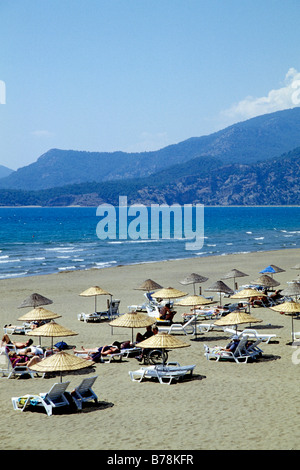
<point>62,361</point>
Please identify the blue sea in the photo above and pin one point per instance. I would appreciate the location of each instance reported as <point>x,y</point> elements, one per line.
<point>36,241</point>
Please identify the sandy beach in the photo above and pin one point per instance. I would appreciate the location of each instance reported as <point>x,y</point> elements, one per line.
<point>224,406</point>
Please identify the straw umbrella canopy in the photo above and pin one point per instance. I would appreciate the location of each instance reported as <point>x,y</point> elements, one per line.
<point>289,308</point>
<point>220,287</point>
<point>247,294</point>
<point>163,341</point>
<point>133,320</point>
<point>267,281</point>
<point>149,285</point>
<point>194,301</point>
<point>236,318</point>
<point>61,362</point>
<point>94,292</point>
<point>52,330</point>
<point>292,290</point>
<point>272,269</point>
<point>234,273</point>
<point>35,300</point>
<point>168,293</point>
<point>193,279</point>
<point>39,314</point>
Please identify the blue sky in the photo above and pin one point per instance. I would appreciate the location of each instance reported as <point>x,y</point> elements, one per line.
<point>136,75</point>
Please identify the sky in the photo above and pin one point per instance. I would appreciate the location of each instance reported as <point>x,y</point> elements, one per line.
<point>138,75</point>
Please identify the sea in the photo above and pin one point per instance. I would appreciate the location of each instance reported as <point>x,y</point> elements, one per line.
<point>36,241</point>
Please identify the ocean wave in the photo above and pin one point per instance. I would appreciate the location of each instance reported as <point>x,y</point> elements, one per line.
<point>66,268</point>
<point>4,276</point>
<point>10,261</point>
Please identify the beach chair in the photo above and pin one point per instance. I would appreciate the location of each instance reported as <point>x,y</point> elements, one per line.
<point>239,355</point>
<point>205,327</point>
<point>110,313</point>
<point>295,335</point>
<point>16,329</point>
<point>253,350</point>
<point>266,337</point>
<point>8,370</point>
<point>187,328</point>
<point>153,311</point>
<point>84,392</point>
<point>52,399</point>
<point>112,310</point>
<point>251,333</point>
<point>108,358</point>
<point>5,364</point>
<point>164,373</point>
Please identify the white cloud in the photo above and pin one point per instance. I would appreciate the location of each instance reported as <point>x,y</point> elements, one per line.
<point>282,98</point>
<point>42,133</point>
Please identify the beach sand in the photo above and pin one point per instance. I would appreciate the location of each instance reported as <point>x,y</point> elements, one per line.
<point>224,406</point>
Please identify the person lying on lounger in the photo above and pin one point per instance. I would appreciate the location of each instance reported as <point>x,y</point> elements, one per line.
<point>22,360</point>
<point>94,354</point>
<point>18,344</point>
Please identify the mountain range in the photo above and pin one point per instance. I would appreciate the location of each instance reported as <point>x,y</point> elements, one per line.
<point>253,162</point>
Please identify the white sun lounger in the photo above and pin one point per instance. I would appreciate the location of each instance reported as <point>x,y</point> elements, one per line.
<point>252,334</point>
<point>164,373</point>
<point>52,399</point>
<point>83,392</point>
<point>187,328</point>
<point>239,355</point>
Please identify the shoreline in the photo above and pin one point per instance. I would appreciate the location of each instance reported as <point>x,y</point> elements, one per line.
<point>142,263</point>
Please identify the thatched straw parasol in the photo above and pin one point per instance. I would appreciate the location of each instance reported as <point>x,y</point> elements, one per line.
<point>247,294</point>
<point>163,341</point>
<point>236,318</point>
<point>267,281</point>
<point>194,301</point>
<point>220,287</point>
<point>289,308</point>
<point>52,330</point>
<point>272,269</point>
<point>61,362</point>
<point>35,300</point>
<point>193,279</point>
<point>94,292</point>
<point>133,320</point>
<point>149,285</point>
<point>39,314</point>
<point>292,290</point>
<point>234,273</point>
<point>168,293</point>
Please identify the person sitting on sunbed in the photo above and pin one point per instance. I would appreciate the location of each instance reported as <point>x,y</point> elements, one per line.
<point>165,313</point>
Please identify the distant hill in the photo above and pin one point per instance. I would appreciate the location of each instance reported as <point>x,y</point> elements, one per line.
<point>4,171</point>
<point>202,180</point>
<point>247,142</point>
